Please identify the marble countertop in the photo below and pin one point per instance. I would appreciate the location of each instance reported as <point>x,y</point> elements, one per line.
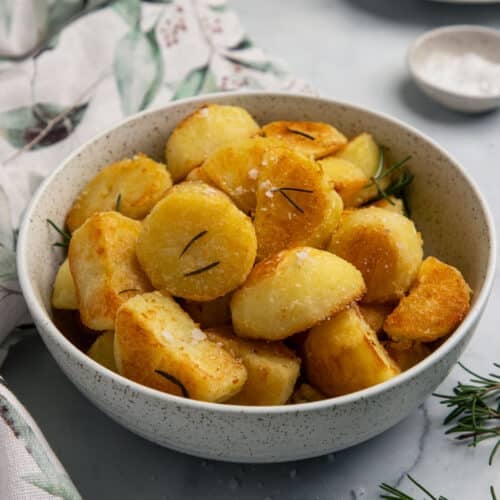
<point>352,50</point>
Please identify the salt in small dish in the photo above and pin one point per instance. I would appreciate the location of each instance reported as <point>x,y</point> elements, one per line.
<point>459,67</point>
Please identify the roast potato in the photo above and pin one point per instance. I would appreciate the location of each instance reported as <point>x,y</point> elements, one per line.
<point>375,314</point>
<point>132,186</point>
<point>293,290</point>
<point>392,204</point>
<point>384,246</point>
<point>347,179</point>
<point>312,139</point>
<point>235,168</point>
<point>272,368</point>
<point>157,344</point>
<point>209,314</point>
<point>196,244</point>
<point>102,350</point>
<point>64,292</point>
<point>343,355</point>
<point>204,131</point>
<point>104,267</point>
<point>295,204</point>
<point>306,393</point>
<point>406,353</point>
<point>436,304</point>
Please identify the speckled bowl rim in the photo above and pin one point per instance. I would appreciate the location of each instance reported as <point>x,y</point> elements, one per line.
<point>416,75</point>
<point>42,317</point>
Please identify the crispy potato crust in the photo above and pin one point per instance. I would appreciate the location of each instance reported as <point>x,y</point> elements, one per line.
<point>272,368</point>
<point>203,132</point>
<point>102,350</point>
<point>295,204</point>
<point>312,139</point>
<point>209,314</point>
<point>437,303</point>
<point>292,291</point>
<point>139,182</point>
<point>104,267</point>
<point>406,353</point>
<point>64,292</point>
<point>384,246</point>
<point>394,205</point>
<point>375,314</point>
<point>343,355</point>
<point>196,244</point>
<point>157,344</point>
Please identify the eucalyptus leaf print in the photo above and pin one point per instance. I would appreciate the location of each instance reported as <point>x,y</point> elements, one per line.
<point>7,247</point>
<point>52,478</point>
<point>51,122</point>
<point>130,11</point>
<point>198,81</point>
<point>6,8</point>
<point>138,70</point>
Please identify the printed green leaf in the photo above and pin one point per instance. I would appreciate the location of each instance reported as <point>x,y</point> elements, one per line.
<point>198,81</point>
<point>138,70</point>
<point>250,58</point>
<point>21,125</point>
<point>6,8</point>
<point>6,232</point>
<point>130,11</point>
<point>244,43</point>
<point>60,12</point>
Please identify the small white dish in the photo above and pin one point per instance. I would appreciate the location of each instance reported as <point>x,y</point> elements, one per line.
<point>459,67</point>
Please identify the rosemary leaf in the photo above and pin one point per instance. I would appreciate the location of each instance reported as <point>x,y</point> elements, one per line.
<point>65,235</point>
<point>118,203</point>
<point>283,190</point>
<point>303,134</point>
<point>175,380</point>
<point>61,244</point>
<point>128,290</point>
<point>192,240</point>
<point>202,269</point>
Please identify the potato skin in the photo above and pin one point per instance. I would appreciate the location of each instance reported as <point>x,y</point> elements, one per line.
<point>153,334</point>
<point>104,267</point>
<point>384,246</point>
<point>312,139</point>
<point>437,303</point>
<point>343,355</point>
<point>293,217</point>
<point>235,168</point>
<point>272,368</point>
<point>364,152</point>
<point>101,350</point>
<point>139,181</point>
<point>226,241</point>
<point>64,292</point>
<point>292,291</point>
<point>203,132</point>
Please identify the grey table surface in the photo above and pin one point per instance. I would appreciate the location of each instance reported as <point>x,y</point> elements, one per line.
<point>351,50</point>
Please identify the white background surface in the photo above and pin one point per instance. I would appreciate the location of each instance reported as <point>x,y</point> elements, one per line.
<point>352,50</point>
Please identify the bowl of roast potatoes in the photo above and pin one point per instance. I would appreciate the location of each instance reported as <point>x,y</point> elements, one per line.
<point>258,277</point>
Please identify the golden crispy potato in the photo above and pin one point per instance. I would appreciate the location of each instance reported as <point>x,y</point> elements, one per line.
<point>64,293</point>
<point>313,139</point>
<point>292,291</point>
<point>102,350</point>
<point>343,355</point>
<point>364,152</point>
<point>437,303</point>
<point>235,168</point>
<point>384,246</point>
<point>132,186</point>
<point>306,393</point>
<point>203,132</point>
<point>392,204</point>
<point>104,267</point>
<point>198,174</point>
<point>375,314</point>
<point>209,314</point>
<point>272,368</point>
<point>406,353</point>
<point>347,179</point>
<point>157,344</point>
<point>196,244</point>
<point>295,204</point>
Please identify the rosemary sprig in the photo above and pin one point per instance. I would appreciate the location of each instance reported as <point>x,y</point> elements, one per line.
<point>175,380</point>
<point>128,290</point>
<point>64,234</point>
<point>475,410</point>
<point>192,240</point>
<point>118,202</point>
<point>396,494</point>
<point>202,269</point>
<point>283,193</point>
<point>303,134</point>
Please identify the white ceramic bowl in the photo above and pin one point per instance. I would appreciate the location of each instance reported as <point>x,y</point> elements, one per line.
<point>464,51</point>
<point>446,206</point>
